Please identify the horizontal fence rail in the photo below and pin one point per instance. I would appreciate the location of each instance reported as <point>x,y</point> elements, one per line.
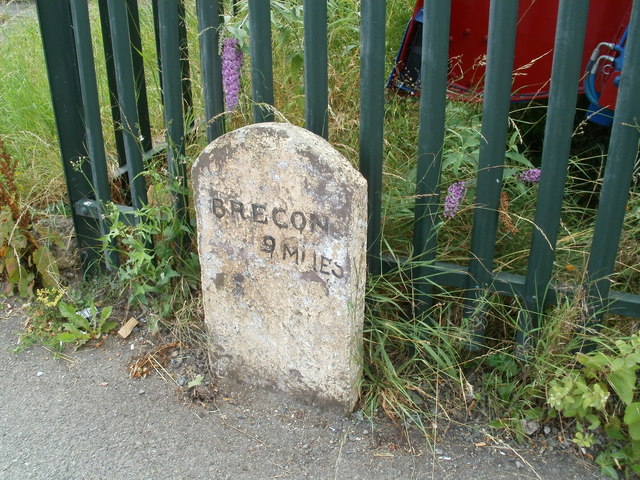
<point>66,34</point>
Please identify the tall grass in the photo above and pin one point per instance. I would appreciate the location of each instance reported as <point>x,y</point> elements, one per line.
<point>26,117</point>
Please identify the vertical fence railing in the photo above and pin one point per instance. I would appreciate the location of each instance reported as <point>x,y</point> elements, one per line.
<point>135,40</point>
<point>210,66</point>
<point>372,120</point>
<point>92,120</point>
<point>261,60</point>
<point>62,68</point>
<point>503,18</point>
<point>183,41</point>
<point>113,93</point>
<point>621,157</point>
<point>565,78</point>
<point>120,34</point>
<point>435,48</point>
<point>315,67</point>
<point>169,15</point>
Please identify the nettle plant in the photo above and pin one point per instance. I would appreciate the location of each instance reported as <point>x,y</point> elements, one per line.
<point>603,396</point>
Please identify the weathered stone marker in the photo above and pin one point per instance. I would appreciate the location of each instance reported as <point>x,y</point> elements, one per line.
<point>281,236</point>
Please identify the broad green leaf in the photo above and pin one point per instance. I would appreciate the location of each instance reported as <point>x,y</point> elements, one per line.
<point>623,382</point>
<point>633,359</point>
<point>519,158</point>
<point>25,283</point>
<point>106,313</point>
<point>46,266</point>
<point>73,328</point>
<point>594,421</point>
<point>597,360</point>
<point>11,265</point>
<point>68,311</point>
<point>617,363</point>
<point>68,337</point>
<point>612,429</point>
<point>108,326</point>
<point>296,61</point>
<point>609,471</point>
<point>7,224</point>
<point>632,420</point>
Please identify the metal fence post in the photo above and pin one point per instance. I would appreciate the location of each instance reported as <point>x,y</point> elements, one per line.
<point>434,65</point>
<point>92,120</point>
<point>503,18</point>
<point>372,120</point>
<point>62,68</point>
<point>118,20</point>
<point>565,77</point>
<point>208,25</point>
<point>623,151</point>
<point>170,46</point>
<point>315,67</point>
<point>261,60</point>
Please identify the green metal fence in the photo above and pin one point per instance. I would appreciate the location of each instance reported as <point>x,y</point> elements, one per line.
<point>66,33</point>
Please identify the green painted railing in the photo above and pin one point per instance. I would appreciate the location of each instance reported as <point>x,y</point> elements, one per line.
<point>570,34</point>
<point>66,32</point>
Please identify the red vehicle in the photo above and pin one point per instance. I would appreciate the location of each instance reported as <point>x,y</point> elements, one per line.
<point>534,49</point>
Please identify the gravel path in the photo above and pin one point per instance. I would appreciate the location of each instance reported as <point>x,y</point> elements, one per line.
<point>83,418</point>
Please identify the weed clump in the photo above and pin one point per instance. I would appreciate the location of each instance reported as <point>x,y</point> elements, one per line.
<point>24,261</point>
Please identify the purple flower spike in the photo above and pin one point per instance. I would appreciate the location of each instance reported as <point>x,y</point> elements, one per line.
<point>530,176</point>
<point>231,65</point>
<point>455,194</point>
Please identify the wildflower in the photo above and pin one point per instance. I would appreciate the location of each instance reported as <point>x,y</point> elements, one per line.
<point>455,194</point>
<point>49,296</point>
<point>231,64</point>
<point>530,176</point>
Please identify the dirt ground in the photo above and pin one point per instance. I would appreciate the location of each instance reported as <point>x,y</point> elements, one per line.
<point>83,416</point>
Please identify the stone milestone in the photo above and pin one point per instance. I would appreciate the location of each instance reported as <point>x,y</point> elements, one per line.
<point>282,220</point>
